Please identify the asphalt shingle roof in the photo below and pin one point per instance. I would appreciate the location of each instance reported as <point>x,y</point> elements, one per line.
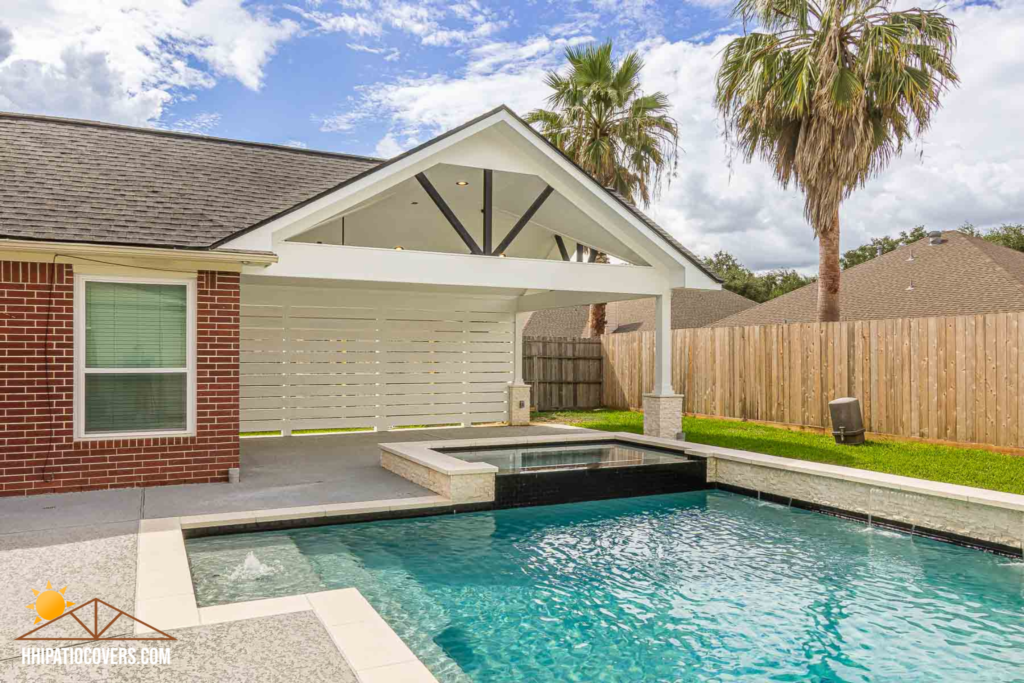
<point>89,182</point>
<point>690,308</point>
<point>962,276</point>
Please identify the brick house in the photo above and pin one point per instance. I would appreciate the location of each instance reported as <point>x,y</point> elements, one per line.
<point>161,293</point>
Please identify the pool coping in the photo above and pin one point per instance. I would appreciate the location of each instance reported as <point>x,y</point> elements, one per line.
<point>955,491</point>
<point>165,595</point>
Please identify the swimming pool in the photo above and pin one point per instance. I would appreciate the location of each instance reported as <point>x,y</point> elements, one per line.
<point>696,586</point>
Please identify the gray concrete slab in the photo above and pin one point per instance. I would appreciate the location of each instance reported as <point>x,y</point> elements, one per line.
<point>56,510</point>
<point>276,472</point>
<point>93,562</point>
<point>282,649</point>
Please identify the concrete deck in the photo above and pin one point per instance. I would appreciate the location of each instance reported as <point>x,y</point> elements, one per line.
<point>276,473</point>
<point>89,542</point>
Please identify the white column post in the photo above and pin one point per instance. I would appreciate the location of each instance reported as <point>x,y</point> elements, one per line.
<point>663,408</point>
<point>519,390</point>
<point>663,345</point>
<point>521,319</point>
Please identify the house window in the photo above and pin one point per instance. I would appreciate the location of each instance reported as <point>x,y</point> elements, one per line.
<point>135,357</point>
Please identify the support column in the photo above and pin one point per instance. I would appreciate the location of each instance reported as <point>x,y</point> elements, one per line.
<point>663,408</point>
<point>519,390</point>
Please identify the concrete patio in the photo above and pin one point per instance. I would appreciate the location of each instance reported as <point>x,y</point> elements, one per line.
<point>89,542</point>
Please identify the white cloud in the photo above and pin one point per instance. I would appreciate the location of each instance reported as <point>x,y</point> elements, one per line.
<point>357,25</point>
<point>390,53</point>
<point>201,124</point>
<point>339,123</point>
<point>297,144</point>
<point>124,60</point>
<point>390,145</point>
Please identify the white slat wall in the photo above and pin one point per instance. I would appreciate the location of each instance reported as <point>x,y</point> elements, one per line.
<point>332,358</point>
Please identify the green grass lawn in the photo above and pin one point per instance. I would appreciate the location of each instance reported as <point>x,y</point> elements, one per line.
<point>966,466</point>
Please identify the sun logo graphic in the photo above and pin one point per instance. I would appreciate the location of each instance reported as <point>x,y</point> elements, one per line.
<point>50,603</point>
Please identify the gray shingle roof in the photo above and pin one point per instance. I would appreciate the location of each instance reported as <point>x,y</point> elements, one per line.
<point>89,182</point>
<point>690,308</point>
<point>962,276</point>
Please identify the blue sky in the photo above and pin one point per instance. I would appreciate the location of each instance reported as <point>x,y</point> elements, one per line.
<point>376,77</point>
<point>323,76</point>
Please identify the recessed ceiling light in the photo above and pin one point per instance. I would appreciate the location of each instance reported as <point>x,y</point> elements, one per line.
<point>399,248</point>
<point>501,255</point>
<point>461,183</point>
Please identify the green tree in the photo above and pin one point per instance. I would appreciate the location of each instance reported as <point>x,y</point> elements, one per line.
<point>603,120</point>
<point>866,252</point>
<point>828,92</point>
<point>760,288</point>
<point>1010,235</point>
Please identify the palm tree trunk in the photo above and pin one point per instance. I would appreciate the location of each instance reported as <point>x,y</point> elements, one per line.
<point>598,312</point>
<point>828,272</point>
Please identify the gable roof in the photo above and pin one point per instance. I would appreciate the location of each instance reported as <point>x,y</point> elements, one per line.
<point>86,181</point>
<point>962,276</point>
<point>690,308</point>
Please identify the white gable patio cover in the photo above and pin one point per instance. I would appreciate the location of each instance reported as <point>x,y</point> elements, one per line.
<point>399,296</point>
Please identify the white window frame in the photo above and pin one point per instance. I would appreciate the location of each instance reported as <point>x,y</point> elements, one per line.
<point>81,370</point>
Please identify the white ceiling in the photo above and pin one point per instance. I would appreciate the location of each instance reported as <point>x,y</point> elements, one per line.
<point>406,216</point>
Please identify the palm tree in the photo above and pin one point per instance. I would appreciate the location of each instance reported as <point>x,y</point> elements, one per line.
<point>828,94</point>
<point>601,118</point>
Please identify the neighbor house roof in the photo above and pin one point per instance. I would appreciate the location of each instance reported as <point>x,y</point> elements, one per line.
<point>690,308</point>
<point>86,181</point>
<point>960,276</point>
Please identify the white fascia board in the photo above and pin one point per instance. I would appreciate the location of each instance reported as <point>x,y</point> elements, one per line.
<point>329,261</point>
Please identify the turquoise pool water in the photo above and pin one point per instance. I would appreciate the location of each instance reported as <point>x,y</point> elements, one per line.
<point>705,586</point>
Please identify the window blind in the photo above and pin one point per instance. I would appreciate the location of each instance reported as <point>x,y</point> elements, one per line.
<point>135,327</point>
<point>131,325</point>
<point>134,403</point>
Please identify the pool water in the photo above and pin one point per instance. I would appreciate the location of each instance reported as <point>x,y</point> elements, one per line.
<point>512,459</point>
<point>702,586</point>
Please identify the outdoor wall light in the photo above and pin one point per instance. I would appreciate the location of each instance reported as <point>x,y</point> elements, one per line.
<point>461,183</point>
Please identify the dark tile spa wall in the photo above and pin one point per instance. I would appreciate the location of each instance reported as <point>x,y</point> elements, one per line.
<point>578,485</point>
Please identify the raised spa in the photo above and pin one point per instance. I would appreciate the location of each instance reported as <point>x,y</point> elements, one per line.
<point>544,474</point>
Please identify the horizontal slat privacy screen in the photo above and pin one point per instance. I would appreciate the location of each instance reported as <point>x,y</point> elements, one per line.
<point>132,325</point>
<point>339,358</point>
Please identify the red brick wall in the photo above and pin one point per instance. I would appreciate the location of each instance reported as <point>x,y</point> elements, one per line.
<point>31,461</point>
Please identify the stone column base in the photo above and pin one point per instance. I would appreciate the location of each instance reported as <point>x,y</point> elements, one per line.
<point>519,404</point>
<point>663,415</point>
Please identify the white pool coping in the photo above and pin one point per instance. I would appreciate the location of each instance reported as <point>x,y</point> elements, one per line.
<point>165,596</point>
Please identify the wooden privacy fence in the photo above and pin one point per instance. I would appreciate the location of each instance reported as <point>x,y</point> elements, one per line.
<point>952,378</point>
<point>564,372</point>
